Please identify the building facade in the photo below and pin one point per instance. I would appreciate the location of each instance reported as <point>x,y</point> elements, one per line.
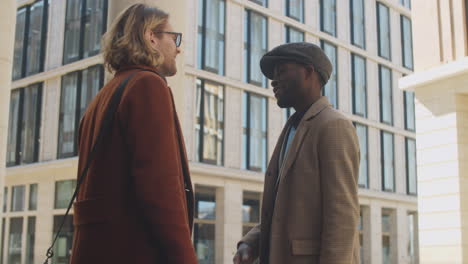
<point>441,92</point>
<point>228,112</point>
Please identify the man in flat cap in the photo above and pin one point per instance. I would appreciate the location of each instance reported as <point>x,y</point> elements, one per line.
<point>310,206</point>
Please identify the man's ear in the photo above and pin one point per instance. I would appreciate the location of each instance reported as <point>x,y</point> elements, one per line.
<point>309,71</point>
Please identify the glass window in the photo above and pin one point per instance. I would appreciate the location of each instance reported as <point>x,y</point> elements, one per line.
<point>294,35</point>
<point>36,38</point>
<point>386,236</point>
<point>24,124</point>
<point>361,235</point>
<point>78,90</point>
<point>386,95</point>
<point>85,22</point>
<point>67,115</point>
<point>17,198</point>
<point>250,211</point>
<point>412,238</point>
<point>295,9</point>
<point>63,246</point>
<point>255,45</point>
<point>33,196</point>
<point>209,137</point>
<point>30,239</point>
<point>383,31</point>
<point>411,171</point>
<point>263,3</point>
<point>94,26</point>
<point>406,42</point>
<point>406,3</point>
<point>358,24</point>
<point>328,16</point>
<point>3,240</point>
<point>288,112</point>
<point>5,198</point>
<point>359,85</point>
<point>14,121</point>
<point>254,138</point>
<point>204,224</point>
<point>361,131</point>
<point>387,162</point>
<point>20,42</point>
<point>14,240</point>
<point>63,193</point>
<point>409,111</point>
<point>31,123</point>
<point>30,39</point>
<point>330,90</point>
<point>211,35</point>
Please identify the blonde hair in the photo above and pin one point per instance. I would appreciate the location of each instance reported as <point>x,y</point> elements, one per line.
<point>125,43</point>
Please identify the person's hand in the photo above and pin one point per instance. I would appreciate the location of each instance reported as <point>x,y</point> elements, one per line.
<point>243,255</point>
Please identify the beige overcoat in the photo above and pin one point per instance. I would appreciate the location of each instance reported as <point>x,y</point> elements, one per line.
<point>315,216</point>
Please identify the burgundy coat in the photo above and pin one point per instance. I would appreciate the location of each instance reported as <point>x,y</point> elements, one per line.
<point>136,203</point>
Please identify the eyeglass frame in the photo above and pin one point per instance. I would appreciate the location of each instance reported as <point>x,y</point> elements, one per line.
<point>177,40</point>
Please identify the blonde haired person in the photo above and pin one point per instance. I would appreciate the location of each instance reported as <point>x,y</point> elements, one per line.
<point>135,204</point>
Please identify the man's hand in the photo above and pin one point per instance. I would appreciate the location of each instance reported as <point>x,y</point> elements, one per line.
<point>243,255</point>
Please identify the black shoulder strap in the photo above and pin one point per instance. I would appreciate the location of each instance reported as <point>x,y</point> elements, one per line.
<point>105,127</point>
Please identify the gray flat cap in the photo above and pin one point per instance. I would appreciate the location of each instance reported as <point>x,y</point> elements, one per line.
<point>300,52</point>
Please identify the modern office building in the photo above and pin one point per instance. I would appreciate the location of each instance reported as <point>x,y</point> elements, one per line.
<point>441,92</point>
<point>228,112</point>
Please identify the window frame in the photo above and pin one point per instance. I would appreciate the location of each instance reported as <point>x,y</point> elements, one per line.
<point>288,11</point>
<point>78,104</point>
<point>408,191</point>
<point>263,3</point>
<point>81,45</point>
<point>406,106</point>
<point>19,126</point>
<point>407,65</point>
<point>353,84</point>
<point>366,186</point>
<point>351,5</point>
<point>322,24</point>
<point>246,149</point>
<point>381,93</point>
<point>288,30</point>
<point>222,68</point>
<point>201,140</point>
<point>382,161</point>
<point>379,40</point>
<point>26,44</point>
<point>247,48</point>
<point>334,72</point>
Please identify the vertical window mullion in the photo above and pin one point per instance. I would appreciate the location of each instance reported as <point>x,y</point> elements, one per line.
<point>203,55</point>
<point>38,123</point>
<point>77,111</point>
<point>82,29</point>
<point>248,131</point>
<point>25,43</point>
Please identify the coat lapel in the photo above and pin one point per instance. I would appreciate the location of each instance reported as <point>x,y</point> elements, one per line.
<point>301,132</point>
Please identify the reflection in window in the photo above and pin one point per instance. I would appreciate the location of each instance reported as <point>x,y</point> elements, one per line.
<point>263,3</point>
<point>386,95</point>
<point>33,197</point>
<point>255,132</point>
<point>211,35</point>
<point>63,193</point>
<point>386,236</point>
<point>17,198</point>
<point>204,224</point>
<point>330,90</point>
<point>328,16</point>
<point>209,137</point>
<point>255,45</point>
<point>63,246</point>
<point>14,240</point>
<point>409,111</point>
<point>387,161</point>
<point>359,85</point>
<point>413,238</point>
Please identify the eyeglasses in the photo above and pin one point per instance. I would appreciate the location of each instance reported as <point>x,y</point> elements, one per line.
<point>177,39</point>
